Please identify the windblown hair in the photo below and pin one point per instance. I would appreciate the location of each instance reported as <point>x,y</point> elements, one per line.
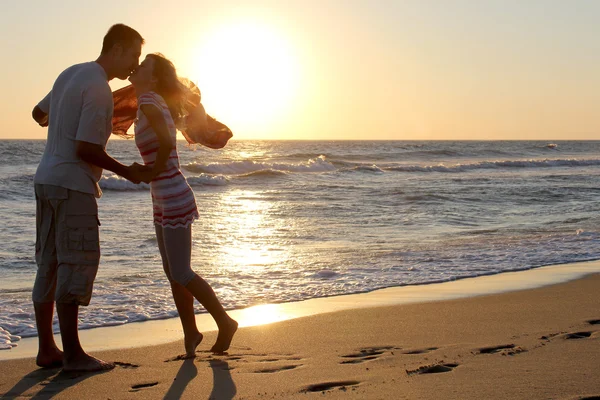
<point>170,87</point>
<point>120,34</point>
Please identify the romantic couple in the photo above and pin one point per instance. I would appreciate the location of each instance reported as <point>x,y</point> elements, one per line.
<point>78,112</point>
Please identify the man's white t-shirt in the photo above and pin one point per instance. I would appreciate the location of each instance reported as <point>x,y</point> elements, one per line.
<point>79,108</point>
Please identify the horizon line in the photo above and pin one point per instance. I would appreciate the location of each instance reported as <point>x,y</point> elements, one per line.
<point>358,140</point>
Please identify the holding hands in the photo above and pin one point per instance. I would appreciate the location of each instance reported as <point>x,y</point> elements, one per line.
<point>140,173</point>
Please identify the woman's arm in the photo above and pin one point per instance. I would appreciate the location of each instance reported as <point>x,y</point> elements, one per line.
<point>159,125</point>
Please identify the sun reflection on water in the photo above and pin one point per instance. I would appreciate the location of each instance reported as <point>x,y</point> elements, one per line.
<point>252,243</point>
<point>262,314</point>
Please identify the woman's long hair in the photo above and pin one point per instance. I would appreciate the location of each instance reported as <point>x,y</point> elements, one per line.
<point>169,87</point>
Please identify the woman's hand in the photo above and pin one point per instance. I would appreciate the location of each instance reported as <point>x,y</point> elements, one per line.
<point>142,173</point>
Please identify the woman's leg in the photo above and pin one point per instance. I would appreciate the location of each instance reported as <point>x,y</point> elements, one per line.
<point>178,246</point>
<point>184,301</point>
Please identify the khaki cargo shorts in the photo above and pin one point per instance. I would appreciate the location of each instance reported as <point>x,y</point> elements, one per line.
<point>67,246</point>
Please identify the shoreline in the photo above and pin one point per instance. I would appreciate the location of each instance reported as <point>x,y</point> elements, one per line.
<point>539,343</point>
<point>157,332</point>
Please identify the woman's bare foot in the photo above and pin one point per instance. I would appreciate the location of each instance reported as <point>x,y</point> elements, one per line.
<point>52,358</point>
<point>191,343</point>
<point>225,335</point>
<point>87,363</point>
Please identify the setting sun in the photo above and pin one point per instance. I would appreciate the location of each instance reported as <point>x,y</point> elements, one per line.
<point>248,74</point>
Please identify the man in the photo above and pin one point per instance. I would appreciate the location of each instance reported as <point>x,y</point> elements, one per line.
<point>78,112</point>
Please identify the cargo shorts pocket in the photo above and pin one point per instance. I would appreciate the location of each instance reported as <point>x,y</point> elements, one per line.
<point>82,240</point>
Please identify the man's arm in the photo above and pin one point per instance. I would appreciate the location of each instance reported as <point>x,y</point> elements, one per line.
<point>41,110</point>
<point>93,131</point>
<point>96,155</point>
<point>39,116</point>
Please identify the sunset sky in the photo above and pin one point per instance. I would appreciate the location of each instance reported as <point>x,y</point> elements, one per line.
<point>336,69</point>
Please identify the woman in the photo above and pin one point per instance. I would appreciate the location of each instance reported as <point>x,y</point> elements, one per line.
<point>161,100</point>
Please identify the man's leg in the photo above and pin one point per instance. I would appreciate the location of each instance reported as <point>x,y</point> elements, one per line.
<point>49,356</point>
<point>75,358</point>
<point>78,254</point>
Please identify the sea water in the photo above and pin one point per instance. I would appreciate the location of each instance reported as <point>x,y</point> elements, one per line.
<point>290,220</point>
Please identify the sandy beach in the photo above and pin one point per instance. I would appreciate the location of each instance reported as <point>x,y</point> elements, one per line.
<point>540,343</point>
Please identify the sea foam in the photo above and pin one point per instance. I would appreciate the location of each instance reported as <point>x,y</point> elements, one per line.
<point>7,341</point>
<point>319,164</point>
<point>117,183</point>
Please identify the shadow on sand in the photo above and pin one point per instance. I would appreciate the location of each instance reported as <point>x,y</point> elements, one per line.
<point>53,381</point>
<point>186,373</point>
<point>223,386</point>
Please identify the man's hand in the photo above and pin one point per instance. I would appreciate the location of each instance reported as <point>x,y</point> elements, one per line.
<point>39,116</point>
<point>140,173</point>
<point>95,154</point>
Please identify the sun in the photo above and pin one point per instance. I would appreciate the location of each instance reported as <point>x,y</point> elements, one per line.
<point>248,75</point>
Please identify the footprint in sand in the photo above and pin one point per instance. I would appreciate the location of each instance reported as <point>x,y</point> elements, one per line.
<point>232,358</point>
<point>421,351</point>
<point>513,351</point>
<point>550,336</point>
<point>366,354</point>
<point>180,357</point>
<point>359,360</point>
<point>125,365</point>
<point>240,358</point>
<point>495,349</point>
<point>432,369</point>
<point>275,357</point>
<point>578,335</point>
<point>140,386</point>
<point>276,369</point>
<point>280,359</point>
<point>322,387</point>
<point>263,358</point>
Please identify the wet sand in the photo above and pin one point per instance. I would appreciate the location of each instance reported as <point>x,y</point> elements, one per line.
<point>526,344</point>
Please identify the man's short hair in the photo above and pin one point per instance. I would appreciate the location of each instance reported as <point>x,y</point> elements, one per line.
<point>120,34</point>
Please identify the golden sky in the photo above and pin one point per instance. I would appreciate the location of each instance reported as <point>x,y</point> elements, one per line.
<point>347,69</point>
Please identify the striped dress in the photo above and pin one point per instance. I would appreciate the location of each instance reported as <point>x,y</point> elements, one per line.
<point>173,200</point>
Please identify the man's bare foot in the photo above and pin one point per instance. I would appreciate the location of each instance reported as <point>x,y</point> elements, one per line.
<point>52,358</point>
<point>225,335</point>
<point>87,363</point>
<point>191,343</point>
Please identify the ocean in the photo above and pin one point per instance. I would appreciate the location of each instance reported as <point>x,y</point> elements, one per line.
<point>283,221</point>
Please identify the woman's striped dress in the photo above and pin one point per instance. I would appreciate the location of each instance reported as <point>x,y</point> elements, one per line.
<point>172,198</point>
